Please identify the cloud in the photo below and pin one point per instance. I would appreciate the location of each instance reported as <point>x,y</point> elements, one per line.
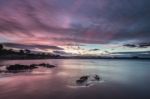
<point>139,45</point>
<point>31,47</point>
<point>142,54</point>
<point>62,53</point>
<point>94,49</point>
<point>86,21</point>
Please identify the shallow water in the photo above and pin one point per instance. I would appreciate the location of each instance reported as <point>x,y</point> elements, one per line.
<point>121,79</point>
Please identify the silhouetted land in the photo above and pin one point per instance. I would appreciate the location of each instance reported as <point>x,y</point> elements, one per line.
<point>101,57</point>
<point>26,54</point>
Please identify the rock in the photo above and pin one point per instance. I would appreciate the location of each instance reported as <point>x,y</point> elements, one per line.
<point>82,79</point>
<point>19,68</point>
<point>24,68</point>
<point>97,77</point>
<point>47,65</point>
<point>88,80</point>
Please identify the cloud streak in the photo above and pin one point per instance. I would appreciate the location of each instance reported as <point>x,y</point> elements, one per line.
<point>139,45</point>
<point>32,47</point>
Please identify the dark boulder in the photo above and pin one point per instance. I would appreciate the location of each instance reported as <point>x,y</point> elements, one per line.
<point>97,77</point>
<point>20,67</point>
<point>82,79</point>
<point>88,80</point>
<point>46,65</point>
<point>23,68</point>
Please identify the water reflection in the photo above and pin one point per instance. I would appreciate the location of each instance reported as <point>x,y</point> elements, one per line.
<point>122,79</point>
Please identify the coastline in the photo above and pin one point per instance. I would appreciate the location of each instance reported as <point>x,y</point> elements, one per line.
<point>28,58</point>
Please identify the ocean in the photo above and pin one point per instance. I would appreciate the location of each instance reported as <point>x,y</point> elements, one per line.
<point>120,79</point>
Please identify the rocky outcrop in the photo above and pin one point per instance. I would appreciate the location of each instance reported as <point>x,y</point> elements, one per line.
<point>23,68</point>
<point>88,80</point>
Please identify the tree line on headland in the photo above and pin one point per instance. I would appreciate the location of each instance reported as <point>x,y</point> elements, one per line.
<point>23,54</point>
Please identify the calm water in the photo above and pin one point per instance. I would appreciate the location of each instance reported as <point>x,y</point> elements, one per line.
<point>121,79</point>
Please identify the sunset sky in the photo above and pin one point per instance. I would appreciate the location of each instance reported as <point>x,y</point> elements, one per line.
<point>77,27</point>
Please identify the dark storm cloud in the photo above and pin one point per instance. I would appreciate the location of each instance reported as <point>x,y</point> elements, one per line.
<point>139,45</point>
<point>62,53</point>
<point>83,21</point>
<point>94,49</point>
<point>32,47</point>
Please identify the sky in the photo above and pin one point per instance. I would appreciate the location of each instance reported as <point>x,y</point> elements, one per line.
<point>77,27</point>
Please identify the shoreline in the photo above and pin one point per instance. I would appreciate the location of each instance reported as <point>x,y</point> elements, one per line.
<point>75,58</point>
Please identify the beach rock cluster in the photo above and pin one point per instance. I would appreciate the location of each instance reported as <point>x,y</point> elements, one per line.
<point>88,80</point>
<point>23,68</point>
